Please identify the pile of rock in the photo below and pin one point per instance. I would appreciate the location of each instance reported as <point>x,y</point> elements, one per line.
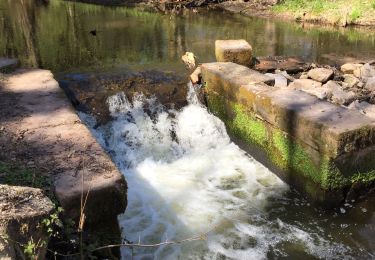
<point>351,85</point>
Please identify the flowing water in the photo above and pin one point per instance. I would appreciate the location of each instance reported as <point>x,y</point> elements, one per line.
<point>187,178</point>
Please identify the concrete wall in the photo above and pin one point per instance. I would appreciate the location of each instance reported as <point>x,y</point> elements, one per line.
<point>322,149</point>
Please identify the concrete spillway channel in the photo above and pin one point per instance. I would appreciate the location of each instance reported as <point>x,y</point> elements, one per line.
<point>43,120</point>
<point>323,149</point>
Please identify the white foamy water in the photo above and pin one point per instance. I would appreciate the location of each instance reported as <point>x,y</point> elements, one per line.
<point>186,177</point>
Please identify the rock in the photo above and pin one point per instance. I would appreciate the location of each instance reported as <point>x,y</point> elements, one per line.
<point>286,75</point>
<point>320,74</point>
<point>22,210</point>
<point>312,87</point>
<point>365,72</point>
<point>289,64</point>
<point>280,80</point>
<point>189,60</point>
<point>349,68</point>
<point>196,76</point>
<point>351,80</point>
<point>370,84</point>
<point>364,108</point>
<point>236,51</point>
<point>305,83</point>
<point>304,75</point>
<point>339,96</point>
<point>8,65</point>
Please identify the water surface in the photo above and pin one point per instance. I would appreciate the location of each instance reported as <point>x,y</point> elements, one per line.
<point>56,36</point>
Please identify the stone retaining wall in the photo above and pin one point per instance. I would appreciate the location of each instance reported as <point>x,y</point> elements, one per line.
<point>325,150</point>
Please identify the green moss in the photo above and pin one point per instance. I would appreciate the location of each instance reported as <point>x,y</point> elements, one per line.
<point>248,128</point>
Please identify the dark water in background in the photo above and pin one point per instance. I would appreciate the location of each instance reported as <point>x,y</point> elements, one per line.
<point>56,36</point>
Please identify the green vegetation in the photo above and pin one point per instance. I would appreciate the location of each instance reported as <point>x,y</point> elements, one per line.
<point>335,12</point>
<point>13,174</point>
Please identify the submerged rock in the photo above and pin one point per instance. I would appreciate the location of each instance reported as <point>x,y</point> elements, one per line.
<point>89,92</point>
<point>320,74</point>
<point>289,64</point>
<point>8,65</point>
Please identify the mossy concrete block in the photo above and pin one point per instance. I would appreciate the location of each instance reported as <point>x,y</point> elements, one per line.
<point>237,51</point>
<point>303,137</point>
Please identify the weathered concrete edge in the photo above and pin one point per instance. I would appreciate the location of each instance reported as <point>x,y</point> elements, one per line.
<point>322,179</point>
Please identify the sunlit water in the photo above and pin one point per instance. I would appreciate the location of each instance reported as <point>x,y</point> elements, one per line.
<point>186,178</point>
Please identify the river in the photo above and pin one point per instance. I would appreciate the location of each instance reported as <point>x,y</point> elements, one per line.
<point>185,176</point>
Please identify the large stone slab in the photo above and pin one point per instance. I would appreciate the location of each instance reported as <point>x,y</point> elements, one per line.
<point>55,136</point>
<point>302,136</point>
<point>237,51</point>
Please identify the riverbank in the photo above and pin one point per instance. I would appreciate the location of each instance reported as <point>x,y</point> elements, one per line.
<point>337,13</point>
<point>324,12</point>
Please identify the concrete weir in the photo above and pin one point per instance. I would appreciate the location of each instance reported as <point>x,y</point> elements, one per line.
<point>323,149</point>
<point>54,137</point>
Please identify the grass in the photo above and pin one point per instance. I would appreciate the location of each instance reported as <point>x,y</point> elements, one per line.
<point>13,174</point>
<point>331,11</point>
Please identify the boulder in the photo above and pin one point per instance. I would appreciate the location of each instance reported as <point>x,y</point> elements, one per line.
<point>370,84</point>
<point>304,75</point>
<point>320,74</point>
<point>22,211</point>
<point>236,51</point>
<point>280,80</point>
<point>349,68</point>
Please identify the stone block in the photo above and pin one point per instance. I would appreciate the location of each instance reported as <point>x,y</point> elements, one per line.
<point>236,51</point>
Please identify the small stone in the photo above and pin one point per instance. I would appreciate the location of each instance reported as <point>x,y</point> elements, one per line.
<point>320,74</point>
<point>351,80</point>
<point>342,210</point>
<point>363,210</point>
<point>304,76</point>
<point>196,76</point>
<point>236,51</point>
<point>349,68</point>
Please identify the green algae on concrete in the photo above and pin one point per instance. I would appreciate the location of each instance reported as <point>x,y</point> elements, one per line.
<point>288,154</point>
